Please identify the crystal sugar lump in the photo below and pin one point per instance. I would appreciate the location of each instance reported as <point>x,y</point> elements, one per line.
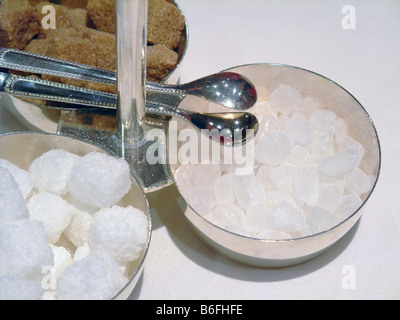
<point>273,148</point>
<point>224,188</point>
<point>275,196</point>
<point>12,204</point>
<point>248,191</point>
<point>348,143</point>
<point>300,130</point>
<point>339,164</point>
<point>348,206</point>
<point>319,220</point>
<point>306,186</point>
<point>78,229</point>
<point>340,131</point>
<point>99,180</point>
<point>299,158</point>
<point>205,174</point>
<point>320,148</point>
<point>24,249</point>
<point>306,107</point>
<point>256,218</point>
<point>226,215</point>
<point>51,170</point>
<point>268,124</point>
<point>96,277</point>
<point>122,232</point>
<point>13,287</point>
<point>280,179</point>
<point>183,178</point>
<point>358,182</point>
<point>62,259</point>
<point>285,98</point>
<point>22,177</point>
<point>202,199</point>
<point>286,218</point>
<point>331,195</point>
<point>324,124</point>
<point>53,211</point>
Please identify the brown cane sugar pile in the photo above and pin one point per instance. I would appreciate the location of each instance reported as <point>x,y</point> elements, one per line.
<point>85,33</point>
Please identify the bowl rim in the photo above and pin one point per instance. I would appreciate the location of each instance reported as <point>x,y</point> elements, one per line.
<point>342,221</point>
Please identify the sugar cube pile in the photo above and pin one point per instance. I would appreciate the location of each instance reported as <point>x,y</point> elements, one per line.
<point>64,233</point>
<point>307,174</point>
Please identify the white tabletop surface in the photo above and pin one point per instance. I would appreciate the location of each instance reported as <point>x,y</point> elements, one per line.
<point>365,61</point>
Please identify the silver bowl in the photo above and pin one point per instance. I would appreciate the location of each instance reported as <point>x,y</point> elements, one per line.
<point>282,253</point>
<point>22,148</point>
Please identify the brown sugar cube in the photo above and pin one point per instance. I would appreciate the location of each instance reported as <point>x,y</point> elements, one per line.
<point>102,12</point>
<point>65,18</point>
<point>165,24</point>
<point>38,46</point>
<point>160,62</point>
<point>73,49</point>
<point>105,48</point>
<point>18,24</point>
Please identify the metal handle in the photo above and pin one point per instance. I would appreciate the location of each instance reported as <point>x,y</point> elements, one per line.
<point>53,91</point>
<point>38,64</point>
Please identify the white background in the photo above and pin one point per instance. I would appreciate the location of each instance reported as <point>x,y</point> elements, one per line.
<point>365,61</point>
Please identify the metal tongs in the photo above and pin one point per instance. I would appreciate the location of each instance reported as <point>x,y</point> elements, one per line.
<point>229,89</point>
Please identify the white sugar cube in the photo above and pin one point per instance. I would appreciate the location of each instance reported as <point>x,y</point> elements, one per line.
<point>300,130</point>
<point>306,186</point>
<point>53,211</point>
<point>339,164</point>
<point>81,252</point>
<point>273,149</point>
<point>202,199</point>
<point>51,170</point>
<point>306,107</point>
<point>319,220</point>
<point>358,182</point>
<point>100,278</point>
<point>248,191</point>
<point>13,287</point>
<point>99,180</point>
<point>122,232</point>
<point>22,177</point>
<point>62,259</point>
<point>348,206</point>
<point>78,229</point>
<point>284,98</point>
<point>24,249</point>
<point>226,215</point>
<point>330,196</point>
<point>12,205</point>
<point>223,189</point>
<point>286,218</point>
